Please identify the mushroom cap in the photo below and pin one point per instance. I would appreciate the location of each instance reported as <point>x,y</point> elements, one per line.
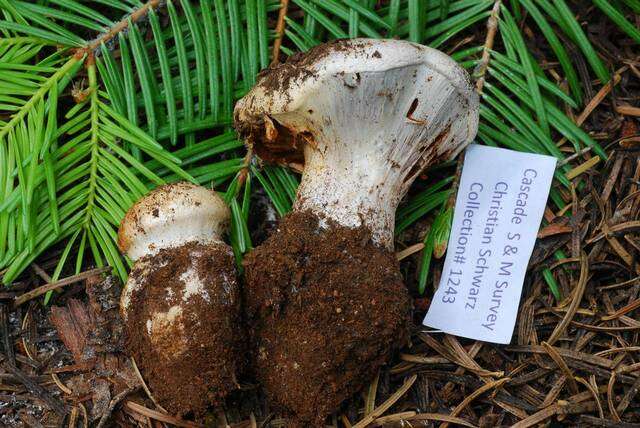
<point>172,215</point>
<point>291,101</point>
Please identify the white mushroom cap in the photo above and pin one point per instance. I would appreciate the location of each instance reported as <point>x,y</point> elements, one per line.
<point>172,215</point>
<point>369,116</point>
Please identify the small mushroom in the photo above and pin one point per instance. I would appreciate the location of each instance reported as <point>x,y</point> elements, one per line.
<point>181,303</point>
<point>324,297</point>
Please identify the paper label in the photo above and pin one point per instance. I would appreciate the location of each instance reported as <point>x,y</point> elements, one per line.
<point>499,207</point>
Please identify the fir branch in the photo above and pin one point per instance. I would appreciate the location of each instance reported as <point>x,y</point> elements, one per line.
<point>119,27</point>
<point>38,96</point>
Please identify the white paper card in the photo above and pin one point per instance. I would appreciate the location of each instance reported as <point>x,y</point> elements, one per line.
<point>499,207</point>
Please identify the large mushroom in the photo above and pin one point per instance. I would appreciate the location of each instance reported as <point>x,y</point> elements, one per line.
<point>324,297</point>
<point>325,300</point>
<point>181,303</point>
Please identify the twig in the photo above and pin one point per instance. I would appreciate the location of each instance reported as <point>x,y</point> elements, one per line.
<point>41,272</point>
<point>557,358</point>
<point>280,25</point>
<point>600,96</point>
<point>594,392</point>
<point>64,388</point>
<point>627,110</point>
<point>622,311</point>
<point>454,358</point>
<point>387,404</point>
<point>73,418</point>
<point>442,418</point>
<point>590,107</point>
<point>112,405</point>
<point>421,359</point>
<point>492,30</point>
<point>27,336</point>
<point>478,392</point>
<point>409,250</point>
<point>85,416</point>
<point>370,402</point>
<point>396,417</point>
<point>538,417</point>
<point>575,302</point>
<point>160,416</point>
<point>120,26</point>
<point>561,407</point>
<point>612,407</point>
<point>605,423</point>
<point>467,358</point>
<point>573,156</point>
<point>582,168</point>
<point>58,284</point>
<point>566,353</point>
<point>144,385</point>
<point>246,164</point>
<point>614,350</point>
<point>628,397</point>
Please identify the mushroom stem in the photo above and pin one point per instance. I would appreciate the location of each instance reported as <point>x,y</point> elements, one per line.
<point>351,194</point>
<point>355,185</point>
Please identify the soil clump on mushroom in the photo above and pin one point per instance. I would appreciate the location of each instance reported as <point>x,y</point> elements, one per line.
<point>280,75</point>
<point>178,327</point>
<point>326,307</point>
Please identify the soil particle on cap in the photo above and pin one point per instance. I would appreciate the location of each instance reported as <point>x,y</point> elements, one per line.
<point>325,309</point>
<point>287,146</point>
<point>183,326</point>
<point>278,77</point>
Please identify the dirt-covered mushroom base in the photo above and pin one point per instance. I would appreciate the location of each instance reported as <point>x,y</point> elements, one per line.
<point>326,308</point>
<point>182,326</point>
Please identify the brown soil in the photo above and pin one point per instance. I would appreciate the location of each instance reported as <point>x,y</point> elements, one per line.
<point>187,344</point>
<point>326,308</point>
<point>278,77</point>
